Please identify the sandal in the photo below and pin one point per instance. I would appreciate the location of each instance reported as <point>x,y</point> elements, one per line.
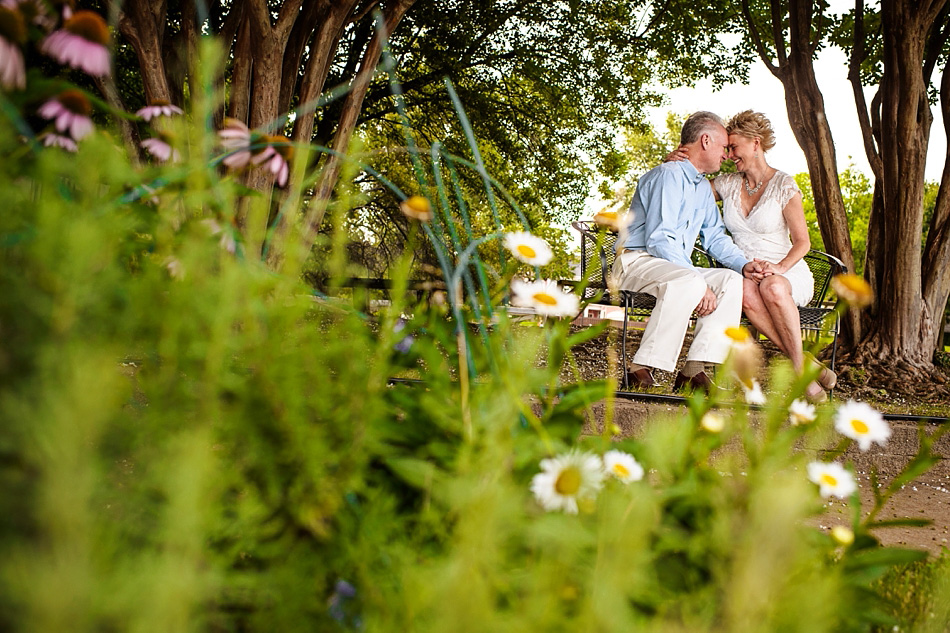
<point>816,397</point>
<point>827,378</point>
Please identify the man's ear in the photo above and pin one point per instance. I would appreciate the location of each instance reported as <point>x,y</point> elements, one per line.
<point>704,141</point>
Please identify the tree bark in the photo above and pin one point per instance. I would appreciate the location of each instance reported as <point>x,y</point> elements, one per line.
<point>325,41</point>
<point>142,23</point>
<point>806,114</point>
<point>905,323</point>
<point>392,14</point>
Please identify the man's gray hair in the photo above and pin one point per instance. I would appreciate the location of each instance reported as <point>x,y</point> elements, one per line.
<point>699,123</point>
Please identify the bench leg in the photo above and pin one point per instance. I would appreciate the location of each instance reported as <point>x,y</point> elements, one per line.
<point>834,343</point>
<point>623,347</point>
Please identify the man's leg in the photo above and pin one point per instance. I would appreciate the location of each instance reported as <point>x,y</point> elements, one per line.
<point>710,343</point>
<point>678,291</point>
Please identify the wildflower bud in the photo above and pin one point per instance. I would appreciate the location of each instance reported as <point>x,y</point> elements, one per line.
<point>842,535</point>
<point>853,290</point>
<point>416,208</point>
<point>608,219</point>
<point>712,423</point>
<point>746,356</point>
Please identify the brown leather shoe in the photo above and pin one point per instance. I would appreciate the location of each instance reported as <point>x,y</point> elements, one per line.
<point>699,381</point>
<point>640,379</point>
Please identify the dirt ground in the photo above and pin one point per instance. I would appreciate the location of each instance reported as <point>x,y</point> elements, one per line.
<point>927,497</point>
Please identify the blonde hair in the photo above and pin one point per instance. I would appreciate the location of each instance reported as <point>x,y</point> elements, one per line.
<point>753,125</point>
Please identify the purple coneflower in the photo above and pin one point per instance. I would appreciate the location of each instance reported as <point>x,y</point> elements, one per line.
<point>160,148</point>
<point>236,141</point>
<point>276,157</point>
<point>51,139</point>
<point>81,43</point>
<point>158,108</point>
<point>70,110</point>
<point>12,35</point>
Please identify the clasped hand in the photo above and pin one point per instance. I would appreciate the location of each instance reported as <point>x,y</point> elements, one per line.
<point>759,269</point>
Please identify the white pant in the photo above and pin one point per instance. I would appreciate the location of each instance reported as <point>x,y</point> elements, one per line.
<point>678,290</point>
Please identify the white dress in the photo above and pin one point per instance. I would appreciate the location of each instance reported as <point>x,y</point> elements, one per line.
<point>764,233</point>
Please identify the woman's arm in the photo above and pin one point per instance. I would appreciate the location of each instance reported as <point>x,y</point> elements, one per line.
<point>798,232</point>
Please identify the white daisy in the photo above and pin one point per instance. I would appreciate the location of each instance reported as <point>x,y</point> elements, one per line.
<point>567,478</point>
<point>528,248</point>
<point>712,423</point>
<point>862,423</point>
<point>545,297</point>
<point>622,466</point>
<point>753,394</point>
<point>832,479</point>
<point>801,412</point>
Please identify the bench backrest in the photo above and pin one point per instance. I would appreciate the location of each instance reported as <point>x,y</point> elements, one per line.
<point>598,252</point>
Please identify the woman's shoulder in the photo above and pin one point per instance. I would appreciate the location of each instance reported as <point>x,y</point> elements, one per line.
<point>727,181</point>
<point>785,180</point>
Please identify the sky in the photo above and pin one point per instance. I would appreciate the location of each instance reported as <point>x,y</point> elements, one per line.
<point>766,94</point>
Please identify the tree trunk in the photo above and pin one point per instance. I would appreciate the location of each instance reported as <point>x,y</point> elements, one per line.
<point>905,325</point>
<point>143,24</point>
<point>351,108</point>
<point>936,272</point>
<point>325,41</point>
<point>806,114</point>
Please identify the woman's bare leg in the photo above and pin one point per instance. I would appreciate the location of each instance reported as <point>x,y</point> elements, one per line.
<point>770,308</point>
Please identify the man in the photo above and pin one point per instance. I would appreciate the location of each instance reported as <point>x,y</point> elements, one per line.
<point>673,205</point>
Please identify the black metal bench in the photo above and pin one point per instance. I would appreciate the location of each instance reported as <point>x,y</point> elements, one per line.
<point>598,250</point>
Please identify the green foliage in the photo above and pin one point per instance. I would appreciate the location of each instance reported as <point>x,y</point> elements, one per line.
<point>190,441</point>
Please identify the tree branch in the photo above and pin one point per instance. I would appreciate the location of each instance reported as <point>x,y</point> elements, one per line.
<point>757,39</point>
<point>858,55</point>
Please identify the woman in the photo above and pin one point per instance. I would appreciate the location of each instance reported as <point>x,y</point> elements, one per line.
<point>762,208</point>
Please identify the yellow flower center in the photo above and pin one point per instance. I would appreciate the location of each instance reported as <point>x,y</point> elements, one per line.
<point>568,482</point>
<point>75,101</point>
<point>418,204</point>
<point>859,426</point>
<point>828,479</point>
<point>621,470</point>
<point>738,334</point>
<point>527,251</point>
<point>88,25</point>
<point>545,298</point>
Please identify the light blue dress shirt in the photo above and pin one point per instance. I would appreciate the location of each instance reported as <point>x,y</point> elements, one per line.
<point>673,205</point>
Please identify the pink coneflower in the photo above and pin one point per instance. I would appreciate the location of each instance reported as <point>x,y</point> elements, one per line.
<point>160,148</point>
<point>12,35</point>
<point>70,110</point>
<point>81,43</point>
<point>157,109</point>
<point>236,141</point>
<point>276,157</point>
<point>52,139</point>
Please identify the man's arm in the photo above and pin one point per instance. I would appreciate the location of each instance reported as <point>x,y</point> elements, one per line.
<point>715,240</point>
<point>662,198</point>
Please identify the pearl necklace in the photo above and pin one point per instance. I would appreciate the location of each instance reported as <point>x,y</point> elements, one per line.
<point>752,190</point>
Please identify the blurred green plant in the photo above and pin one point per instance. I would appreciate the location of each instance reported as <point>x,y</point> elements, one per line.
<point>191,441</point>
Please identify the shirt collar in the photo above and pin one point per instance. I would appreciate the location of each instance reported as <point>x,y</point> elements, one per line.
<point>692,174</point>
